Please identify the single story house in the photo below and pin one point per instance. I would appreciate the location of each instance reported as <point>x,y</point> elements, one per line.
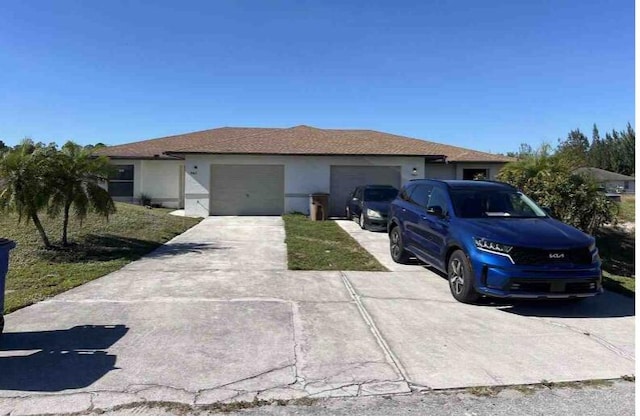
<point>611,181</point>
<point>271,171</point>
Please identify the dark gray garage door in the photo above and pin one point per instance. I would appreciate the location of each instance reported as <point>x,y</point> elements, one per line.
<point>247,190</point>
<point>345,178</point>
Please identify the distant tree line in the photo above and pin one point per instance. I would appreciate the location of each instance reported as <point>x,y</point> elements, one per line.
<point>32,145</point>
<point>614,152</point>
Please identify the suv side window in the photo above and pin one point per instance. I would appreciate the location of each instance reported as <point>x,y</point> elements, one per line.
<point>439,198</point>
<point>405,194</point>
<point>420,195</point>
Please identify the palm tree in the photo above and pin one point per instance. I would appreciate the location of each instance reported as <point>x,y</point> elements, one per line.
<point>77,183</point>
<point>24,178</point>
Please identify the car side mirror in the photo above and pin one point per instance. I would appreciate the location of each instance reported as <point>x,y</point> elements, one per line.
<point>435,210</point>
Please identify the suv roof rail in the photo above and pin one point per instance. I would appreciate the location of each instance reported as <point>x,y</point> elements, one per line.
<point>427,179</point>
<point>506,184</point>
<point>445,181</point>
<point>377,186</point>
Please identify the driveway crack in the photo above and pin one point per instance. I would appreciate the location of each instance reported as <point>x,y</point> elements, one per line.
<point>395,362</point>
<point>297,334</point>
<point>594,337</point>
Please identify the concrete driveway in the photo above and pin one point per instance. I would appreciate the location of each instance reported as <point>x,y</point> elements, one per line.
<point>214,316</point>
<point>211,316</point>
<point>441,343</point>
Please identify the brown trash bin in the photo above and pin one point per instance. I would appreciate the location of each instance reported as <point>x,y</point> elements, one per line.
<point>318,206</point>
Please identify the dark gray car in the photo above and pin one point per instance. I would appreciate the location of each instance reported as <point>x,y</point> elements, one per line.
<point>369,204</point>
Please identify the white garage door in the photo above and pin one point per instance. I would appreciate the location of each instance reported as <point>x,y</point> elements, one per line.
<point>344,179</point>
<point>247,190</point>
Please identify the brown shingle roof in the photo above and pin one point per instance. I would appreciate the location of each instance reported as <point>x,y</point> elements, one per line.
<point>603,175</point>
<point>300,140</point>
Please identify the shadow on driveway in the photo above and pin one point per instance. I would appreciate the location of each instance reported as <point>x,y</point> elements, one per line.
<point>113,247</point>
<point>63,359</point>
<point>606,305</point>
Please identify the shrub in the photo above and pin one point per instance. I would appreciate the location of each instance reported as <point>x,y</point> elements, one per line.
<point>573,198</point>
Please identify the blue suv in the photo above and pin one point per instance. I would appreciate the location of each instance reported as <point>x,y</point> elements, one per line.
<point>490,239</point>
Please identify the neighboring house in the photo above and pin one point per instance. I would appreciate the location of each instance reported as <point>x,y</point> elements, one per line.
<point>271,171</point>
<point>612,181</point>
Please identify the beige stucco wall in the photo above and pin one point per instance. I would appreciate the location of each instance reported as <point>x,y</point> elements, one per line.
<point>454,170</point>
<point>160,180</point>
<point>440,170</point>
<point>303,175</point>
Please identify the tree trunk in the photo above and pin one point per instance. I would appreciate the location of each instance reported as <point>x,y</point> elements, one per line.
<point>65,224</point>
<point>43,234</point>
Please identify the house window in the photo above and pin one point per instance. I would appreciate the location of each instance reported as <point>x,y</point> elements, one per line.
<point>121,182</point>
<point>471,174</point>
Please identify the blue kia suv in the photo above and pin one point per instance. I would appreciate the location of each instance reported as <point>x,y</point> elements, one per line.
<point>490,239</point>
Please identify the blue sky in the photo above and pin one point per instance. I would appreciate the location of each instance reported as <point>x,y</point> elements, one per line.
<point>483,74</point>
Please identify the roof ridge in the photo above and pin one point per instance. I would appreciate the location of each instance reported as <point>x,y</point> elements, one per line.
<point>464,150</point>
<point>297,140</point>
<point>234,138</point>
<point>191,133</point>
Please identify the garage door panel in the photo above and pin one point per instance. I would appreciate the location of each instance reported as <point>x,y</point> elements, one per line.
<point>247,190</point>
<point>344,179</point>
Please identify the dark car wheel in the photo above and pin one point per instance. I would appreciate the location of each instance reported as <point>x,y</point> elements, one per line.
<point>461,278</point>
<point>398,253</point>
<point>361,221</point>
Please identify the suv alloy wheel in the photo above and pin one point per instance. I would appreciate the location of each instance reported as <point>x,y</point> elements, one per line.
<point>460,277</point>
<point>398,253</point>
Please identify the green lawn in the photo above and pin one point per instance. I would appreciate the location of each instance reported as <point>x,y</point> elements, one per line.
<point>324,246</point>
<point>617,250</point>
<point>100,247</point>
<point>628,208</point>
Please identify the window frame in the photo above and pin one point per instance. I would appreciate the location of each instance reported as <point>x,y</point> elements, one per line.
<point>445,199</point>
<point>476,171</point>
<point>117,180</point>
<point>426,186</point>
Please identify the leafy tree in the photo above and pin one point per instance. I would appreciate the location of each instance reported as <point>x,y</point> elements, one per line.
<point>24,183</point>
<point>596,156</point>
<point>524,151</point>
<point>627,151</point>
<point>574,149</point>
<point>548,179</point>
<point>76,184</point>
<point>3,147</point>
<point>615,152</point>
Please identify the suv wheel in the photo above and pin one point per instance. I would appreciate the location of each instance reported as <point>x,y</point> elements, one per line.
<point>361,221</point>
<point>398,253</point>
<point>461,278</point>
